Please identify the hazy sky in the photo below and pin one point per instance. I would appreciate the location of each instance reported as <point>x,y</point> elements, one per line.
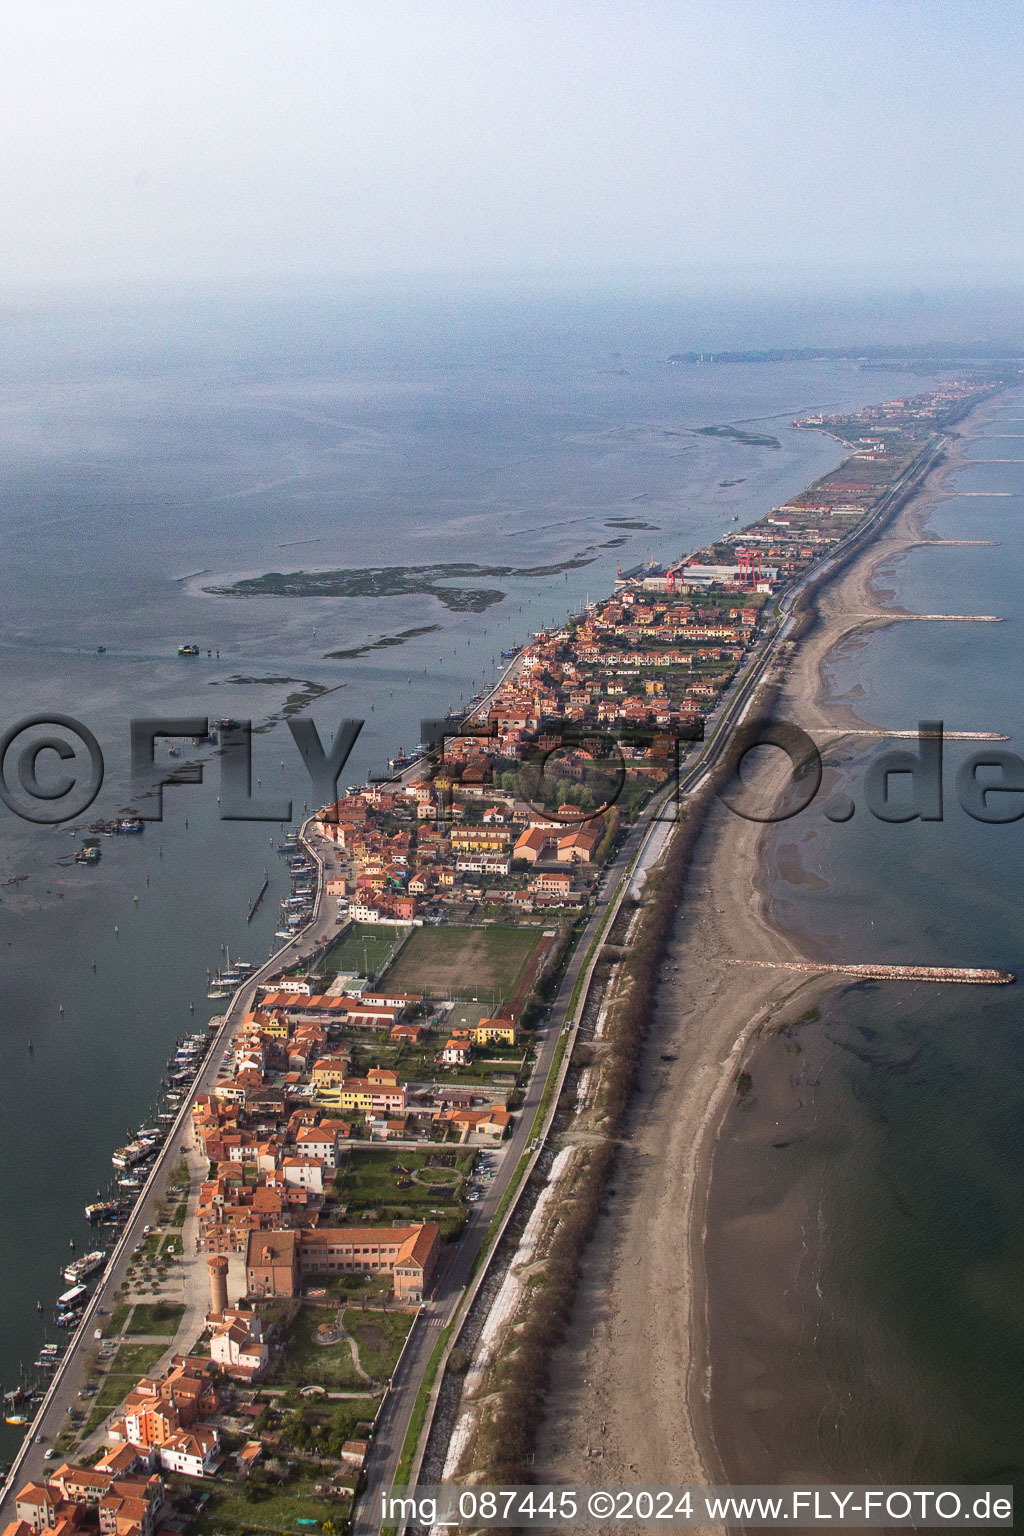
<point>217,138</point>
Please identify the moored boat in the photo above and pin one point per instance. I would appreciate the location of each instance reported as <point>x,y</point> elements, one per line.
<point>102,1210</point>
<point>87,1265</point>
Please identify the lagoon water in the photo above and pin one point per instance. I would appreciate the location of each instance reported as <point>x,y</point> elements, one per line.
<point>149,439</point>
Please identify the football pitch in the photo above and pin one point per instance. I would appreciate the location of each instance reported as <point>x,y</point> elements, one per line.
<point>478,964</point>
<point>364,948</point>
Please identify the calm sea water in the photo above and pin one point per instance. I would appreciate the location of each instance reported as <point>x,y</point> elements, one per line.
<point>902,1110</point>
<point>151,439</point>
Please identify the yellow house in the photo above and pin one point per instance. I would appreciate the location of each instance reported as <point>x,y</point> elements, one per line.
<point>479,839</point>
<point>494,1032</point>
<point>330,1072</point>
<point>356,1093</point>
<point>353,1093</point>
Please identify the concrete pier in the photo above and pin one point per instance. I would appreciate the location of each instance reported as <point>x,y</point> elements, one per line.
<point>878,732</point>
<point>962,975</point>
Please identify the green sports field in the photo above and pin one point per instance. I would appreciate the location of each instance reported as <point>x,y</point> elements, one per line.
<point>478,964</point>
<point>365,948</point>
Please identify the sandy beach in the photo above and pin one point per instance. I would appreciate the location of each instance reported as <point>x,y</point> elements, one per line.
<point>631,1399</point>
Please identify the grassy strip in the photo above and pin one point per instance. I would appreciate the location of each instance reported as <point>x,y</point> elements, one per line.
<point>419,1411</point>
<point>157,1318</point>
<point>591,950</point>
<point>549,1086</point>
<point>116,1321</point>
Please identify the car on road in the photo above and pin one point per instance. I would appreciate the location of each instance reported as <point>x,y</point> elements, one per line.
<point>49,1453</point>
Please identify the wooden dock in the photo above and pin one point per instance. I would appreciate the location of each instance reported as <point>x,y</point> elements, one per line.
<point>255,903</point>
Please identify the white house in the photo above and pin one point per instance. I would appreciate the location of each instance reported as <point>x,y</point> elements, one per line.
<point>304,1173</point>
<point>313,1141</point>
<point>193,1452</point>
<point>458,1052</point>
<point>238,1344</point>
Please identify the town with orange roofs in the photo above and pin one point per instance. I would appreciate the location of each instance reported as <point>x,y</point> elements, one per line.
<point>367,1109</point>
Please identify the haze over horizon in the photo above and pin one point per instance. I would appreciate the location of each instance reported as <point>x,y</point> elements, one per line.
<point>735,142</point>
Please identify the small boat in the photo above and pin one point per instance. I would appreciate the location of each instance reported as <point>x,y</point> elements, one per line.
<point>15,1418</point>
<point>131,824</point>
<point>73,1298</point>
<point>188,650</point>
